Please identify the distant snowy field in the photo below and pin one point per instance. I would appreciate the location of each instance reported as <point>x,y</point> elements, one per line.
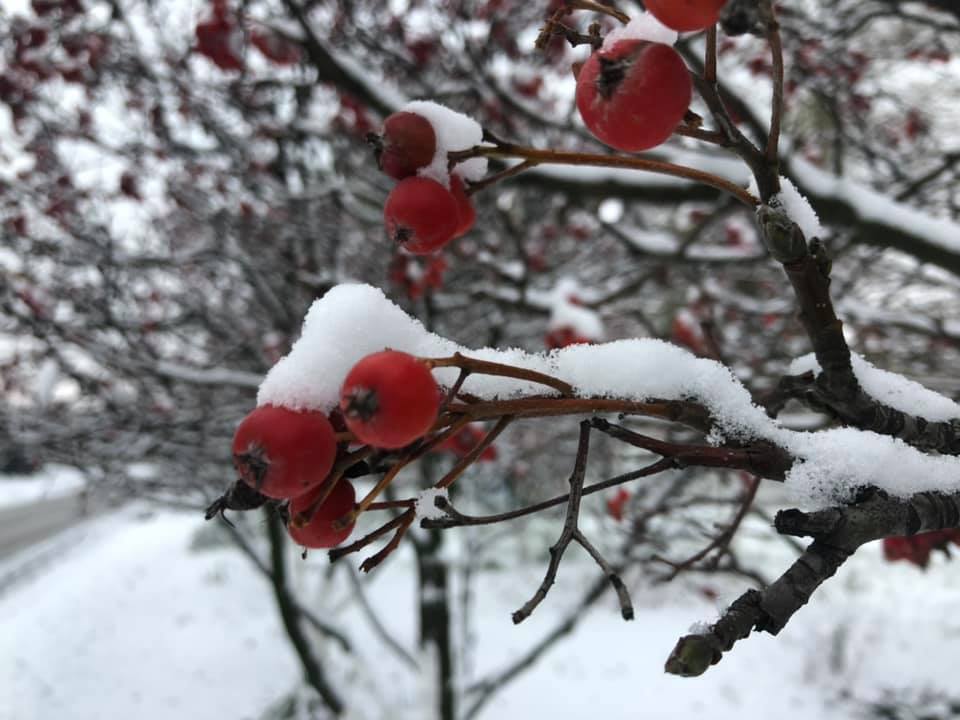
<point>132,616</point>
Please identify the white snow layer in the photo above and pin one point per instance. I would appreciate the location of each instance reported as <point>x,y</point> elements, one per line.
<point>567,312</point>
<point>352,321</point>
<point>642,27</point>
<point>455,131</point>
<point>798,208</point>
<point>890,388</point>
<point>426,506</point>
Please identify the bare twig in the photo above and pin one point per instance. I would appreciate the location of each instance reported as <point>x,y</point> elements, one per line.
<point>569,534</point>
<point>455,518</point>
<point>628,162</point>
<point>486,367</point>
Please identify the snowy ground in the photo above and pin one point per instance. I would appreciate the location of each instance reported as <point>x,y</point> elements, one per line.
<point>130,616</point>
<point>52,481</point>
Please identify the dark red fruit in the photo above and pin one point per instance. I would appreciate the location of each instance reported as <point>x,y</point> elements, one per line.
<point>632,95</point>
<point>320,530</point>
<point>562,336</point>
<point>467,213</point>
<point>389,399</point>
<point>916,549</point>
<point>686,15</point>
<point>617,505</point>
<point>421,215</point>
<point>283,453</point>
<point>407,144</point>
<point>221,41</point>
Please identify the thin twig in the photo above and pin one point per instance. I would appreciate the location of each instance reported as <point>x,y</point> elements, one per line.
<point>569,527</point>
<point>721,541</point>
<point>597,7</point>
<point>406,520</point>
<point>626,606</point>
<point>776,111</point>
<point>337,553</point>
<point>486,367</point>
<point>509,172</point>
<point>322,627</point>
<point>628,162</point>
<point>710,56</point>
<point>475,452</point>
<point>457,519</point>
<point>374,620</point>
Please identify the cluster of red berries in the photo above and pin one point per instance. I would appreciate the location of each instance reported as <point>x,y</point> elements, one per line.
<point>388,400</point>
<point>421,215</point>
<point>633,93</point>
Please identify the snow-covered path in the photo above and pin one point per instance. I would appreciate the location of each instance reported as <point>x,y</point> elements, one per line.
<point>120,618</point>
<point>127,624</point>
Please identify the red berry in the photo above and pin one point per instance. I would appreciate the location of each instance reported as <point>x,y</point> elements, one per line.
<point>320,532</point>
<point>222,42</point>
<point>686,15</point>
<point>421,215</point>
<point>389,399</point>
<point>562,336</point>
<point>282,452</point>
<point>632,95</point>
<point>462,442</point>
<point>275,47</point>
<point>407,144</point>
<point>467,213</point>
<point>618,503</point>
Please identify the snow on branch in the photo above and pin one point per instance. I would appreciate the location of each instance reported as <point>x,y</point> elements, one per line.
<point>352,321</point>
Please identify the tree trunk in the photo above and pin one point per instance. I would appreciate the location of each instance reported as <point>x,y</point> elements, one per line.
<point>435,631</point>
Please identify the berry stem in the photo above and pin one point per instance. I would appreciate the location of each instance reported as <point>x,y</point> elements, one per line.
<point>485,367</point>
<point>347,461</point>
<point>597,7</point>
<point>510,172</point>
<point>337,553</point>
<point>412,455</point>
<point>710,56</point>
<point>627,162</point>
<point>684,412</point>
<point>468,459</point>
<point>406,520</point>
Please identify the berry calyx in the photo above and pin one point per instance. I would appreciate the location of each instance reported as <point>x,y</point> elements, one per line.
<point>421,215</point>
<point>389,399</point>
<point>467,213</point>
<point>686,15</point>
<point>320,531</point>
<point>631,96</point>
<point>283,453</point>
<point>407,143</point>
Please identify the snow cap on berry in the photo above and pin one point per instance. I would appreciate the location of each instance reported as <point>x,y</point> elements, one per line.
<point>454,131</point>
<point>643,27</point>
